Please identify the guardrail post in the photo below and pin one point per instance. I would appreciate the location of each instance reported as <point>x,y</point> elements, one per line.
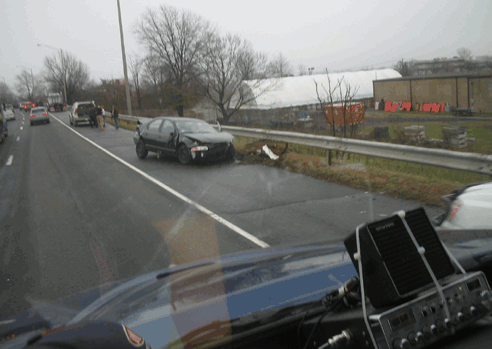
<point>329,157</point>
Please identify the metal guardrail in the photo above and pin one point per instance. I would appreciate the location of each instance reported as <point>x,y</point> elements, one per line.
<point>470,162</point>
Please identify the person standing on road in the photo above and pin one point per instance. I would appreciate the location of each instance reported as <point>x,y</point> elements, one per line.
<point>100,120</point>
<point>114,116</point>
<point>93,116</point>
<point>104,115</point>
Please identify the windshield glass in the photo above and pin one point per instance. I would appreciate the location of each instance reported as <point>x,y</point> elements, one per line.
<point>243,143</point>
<point>194,126</point>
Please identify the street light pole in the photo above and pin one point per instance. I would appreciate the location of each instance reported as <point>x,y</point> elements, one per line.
<point>127,86</point>
<point>64,70</point>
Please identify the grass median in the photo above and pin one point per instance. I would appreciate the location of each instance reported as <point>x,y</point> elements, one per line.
<point>123,124</point>
<point>422,183</point>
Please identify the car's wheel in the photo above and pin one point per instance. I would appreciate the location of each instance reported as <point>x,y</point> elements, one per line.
<point>31,123</point>
<point>71,123</point>
<point>141,150</point>
<point>48,121</point>
<point>231,152</point>
<point>184,155</point>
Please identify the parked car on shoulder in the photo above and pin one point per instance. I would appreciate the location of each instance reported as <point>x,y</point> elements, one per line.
<point>39,114</point>
<point>187,139</point>
<point>469,207</point>
<point>80,112</point>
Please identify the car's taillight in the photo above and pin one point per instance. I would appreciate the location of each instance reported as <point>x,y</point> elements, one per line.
<point>32,115</point>
<point>52,108</point>
<point>76,110</point>
<point>45,114</point>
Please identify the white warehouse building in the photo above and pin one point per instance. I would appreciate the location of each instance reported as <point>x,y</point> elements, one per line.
<point>300,91</point>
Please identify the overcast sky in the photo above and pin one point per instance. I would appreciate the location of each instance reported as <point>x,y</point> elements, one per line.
<point>322,34</point>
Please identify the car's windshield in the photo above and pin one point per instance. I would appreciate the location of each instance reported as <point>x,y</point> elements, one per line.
<point>233,133</point>
<point>194,126</point>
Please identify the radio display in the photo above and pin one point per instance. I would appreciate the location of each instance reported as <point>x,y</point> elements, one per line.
<point>401,319</point>
<point>473,285</point>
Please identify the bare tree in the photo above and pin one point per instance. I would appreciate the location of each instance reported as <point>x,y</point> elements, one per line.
<point>178,38</point>
<point>226,65</point>
<point>135,63</point>
<point>110,91</point>
<point>279,67</point>
<point>341,93</point>
<point>347,94</point>
<point>63,71</point>
<point>466,55</point>
<point>405,68</point>
<point>328,100</point>
<point>6,95</point>
<point>302,69</point>
<point>25,84</point>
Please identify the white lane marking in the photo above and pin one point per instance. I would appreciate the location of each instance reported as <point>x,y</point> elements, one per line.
<point>10,159</point>
<point>18,137</point>
<point>21,128</point>
<point>199,207</point>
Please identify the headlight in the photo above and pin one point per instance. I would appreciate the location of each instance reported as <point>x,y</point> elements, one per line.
<point>202,148</point>
<point>197,143</point>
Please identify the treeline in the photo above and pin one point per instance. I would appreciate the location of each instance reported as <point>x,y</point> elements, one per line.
<point>185,60</point>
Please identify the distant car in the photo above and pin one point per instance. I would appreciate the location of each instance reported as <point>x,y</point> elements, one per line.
<point>25,105</point>
<point>9,107</point>
<point>469,207</point>
<point>9,114</point>
<point>80,112</point>
<point>39,114</point>
<point>186,138</point>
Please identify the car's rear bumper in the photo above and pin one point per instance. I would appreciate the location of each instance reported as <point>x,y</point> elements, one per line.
<point>81,118</point>
<point>40,118</point>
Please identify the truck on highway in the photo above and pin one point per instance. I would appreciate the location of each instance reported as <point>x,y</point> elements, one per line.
<point>55,102</point>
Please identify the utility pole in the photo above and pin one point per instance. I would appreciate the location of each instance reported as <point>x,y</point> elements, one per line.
<point>127,86</point>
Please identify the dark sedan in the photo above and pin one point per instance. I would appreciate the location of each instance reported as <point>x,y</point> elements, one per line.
<point>186,138</point>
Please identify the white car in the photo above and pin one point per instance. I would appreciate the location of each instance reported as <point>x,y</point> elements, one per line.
<point>9,114</point>
<point>469,207</point>
<point>80,112</point>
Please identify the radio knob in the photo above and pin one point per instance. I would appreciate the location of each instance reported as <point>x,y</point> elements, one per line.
<point>416,338</point>
<point>445,325</point>
<point>401,343</point>
<point>425,311</point>
<point>430,331</point>
<point>460,317</point>
<point>473,311</point>
<point>486,299</point>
